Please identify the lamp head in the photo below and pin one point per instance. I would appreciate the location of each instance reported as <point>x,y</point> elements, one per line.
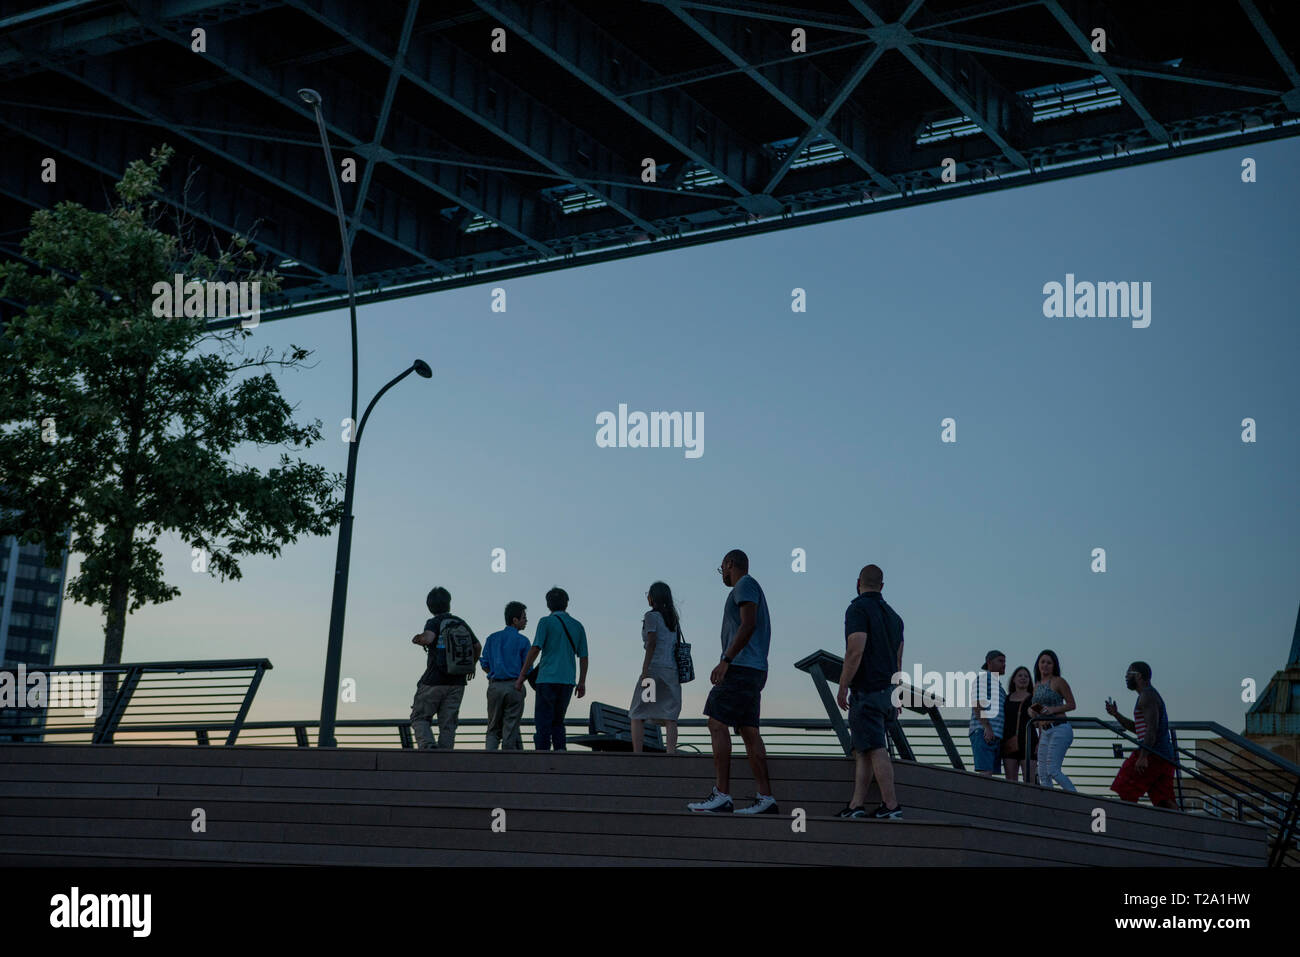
<point>309,96</point>
<point>422,369</point>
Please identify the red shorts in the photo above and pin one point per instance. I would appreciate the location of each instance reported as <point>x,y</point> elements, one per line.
<point>1158,779</point>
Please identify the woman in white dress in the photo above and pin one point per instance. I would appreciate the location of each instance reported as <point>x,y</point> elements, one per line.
<point>658,694</point>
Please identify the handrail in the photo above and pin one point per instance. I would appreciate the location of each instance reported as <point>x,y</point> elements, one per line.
<point>218,664</point>
<point>1278,815</point>
<point>1241,742</point>
<point>116,691</point>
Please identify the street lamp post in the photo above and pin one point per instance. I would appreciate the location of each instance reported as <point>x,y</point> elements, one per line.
<point>338,606</point>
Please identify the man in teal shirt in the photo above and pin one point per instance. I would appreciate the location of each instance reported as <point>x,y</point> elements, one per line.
<point>559,639</point>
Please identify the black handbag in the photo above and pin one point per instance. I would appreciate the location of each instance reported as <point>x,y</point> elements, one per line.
<point>682,656</point>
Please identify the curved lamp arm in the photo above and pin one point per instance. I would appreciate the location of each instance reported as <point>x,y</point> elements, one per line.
<point>419,365</point>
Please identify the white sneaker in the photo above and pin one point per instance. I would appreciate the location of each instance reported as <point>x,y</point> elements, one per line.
<point>763,804</point>
<point>716,803</point>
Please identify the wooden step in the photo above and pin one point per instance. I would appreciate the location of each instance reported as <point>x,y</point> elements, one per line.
<point>388,802</point>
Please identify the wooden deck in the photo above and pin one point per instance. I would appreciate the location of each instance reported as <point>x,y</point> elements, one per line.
<point>122,804</point>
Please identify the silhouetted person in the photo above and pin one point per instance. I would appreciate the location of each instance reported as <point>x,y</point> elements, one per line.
<point>987,715</point>
<point>873,654</point>
<point>1015,739</point>
<point>438,691</point>
<point>504,654</point>
<point>658,693</point>
<point>1052,699</point>
<point>559,639</point>
<point>738,682</point>
<point>1146,771</point>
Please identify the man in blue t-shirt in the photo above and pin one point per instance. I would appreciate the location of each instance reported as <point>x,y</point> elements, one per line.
<point>738,682</point>
<point>559,639</point>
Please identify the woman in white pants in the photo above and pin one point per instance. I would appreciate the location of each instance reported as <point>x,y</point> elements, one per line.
<point>1052,699</point>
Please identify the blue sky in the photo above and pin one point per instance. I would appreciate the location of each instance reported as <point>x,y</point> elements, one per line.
<point>822,432</point>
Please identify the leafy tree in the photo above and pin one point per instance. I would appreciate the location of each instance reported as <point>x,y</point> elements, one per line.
<point>117,425</point>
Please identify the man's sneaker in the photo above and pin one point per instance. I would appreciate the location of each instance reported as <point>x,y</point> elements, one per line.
<point>859,811</point>
<point>883,813</point>
<point>763,804</point>
<point>715,803</point>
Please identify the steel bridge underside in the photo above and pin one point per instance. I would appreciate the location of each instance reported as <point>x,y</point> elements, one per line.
<point>474,165</point>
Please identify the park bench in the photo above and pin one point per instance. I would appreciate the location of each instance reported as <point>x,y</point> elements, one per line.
<point>610,729</point>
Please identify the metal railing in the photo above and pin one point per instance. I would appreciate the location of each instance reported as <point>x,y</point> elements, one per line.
<point>96,703</point>
<point>1218,772</point>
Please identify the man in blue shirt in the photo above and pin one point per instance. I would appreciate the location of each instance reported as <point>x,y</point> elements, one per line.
<point>738,682</point>
<point>560,638</point>
<point>504,653</point>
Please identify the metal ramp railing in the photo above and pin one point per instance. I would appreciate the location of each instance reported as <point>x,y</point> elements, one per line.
<point>95,703</point>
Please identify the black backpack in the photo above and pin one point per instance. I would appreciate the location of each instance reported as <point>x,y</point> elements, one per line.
<point>459,642</point>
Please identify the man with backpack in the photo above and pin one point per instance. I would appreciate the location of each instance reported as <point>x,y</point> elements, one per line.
<point>559,639</point>
<point>452,649</point>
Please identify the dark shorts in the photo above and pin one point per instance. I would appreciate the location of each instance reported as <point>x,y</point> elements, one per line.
<point>735,700</point>
<point>1157,780</point>
<point>868,712</point>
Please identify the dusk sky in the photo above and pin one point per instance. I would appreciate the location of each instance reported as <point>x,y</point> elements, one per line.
<point>822,432</point>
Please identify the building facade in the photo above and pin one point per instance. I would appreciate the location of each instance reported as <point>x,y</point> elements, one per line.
<point>31,598</point>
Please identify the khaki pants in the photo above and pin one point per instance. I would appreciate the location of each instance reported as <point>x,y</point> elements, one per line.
<point>443,701</point>
<point>505,708</point>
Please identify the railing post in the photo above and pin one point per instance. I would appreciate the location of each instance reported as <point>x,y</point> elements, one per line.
<point>300,735</point>
<point>895,730</point>
<point>404,735</point>
<point>123,697</point>
<point>1031,749</point>
<point>202,735</point>
<point>244,706</point>
<point>1178,767</point>
<point>1286,831</point>
<point>941,728</point>
<point>832,709</point>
